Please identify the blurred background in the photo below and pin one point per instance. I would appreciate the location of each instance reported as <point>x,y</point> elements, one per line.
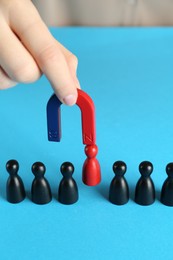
<point>106,13</point>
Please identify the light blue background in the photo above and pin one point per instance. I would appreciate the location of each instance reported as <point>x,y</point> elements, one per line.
<point>129,75</point>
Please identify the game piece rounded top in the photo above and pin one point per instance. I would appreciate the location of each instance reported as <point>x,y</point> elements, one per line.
<point>12,167</point>
<point>119,168</point>
<point>67,169</point>
<point>169,169</point>
<point>145,168</point>
<point>91,150</point>
<point>38,169</point>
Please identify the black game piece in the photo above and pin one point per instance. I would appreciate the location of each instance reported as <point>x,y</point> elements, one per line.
<point>119,189</point>
<point>14,188</point>
<point>40,190</point>
<point>68,190</point>
<point>167,189</point>
<point>145,190</point>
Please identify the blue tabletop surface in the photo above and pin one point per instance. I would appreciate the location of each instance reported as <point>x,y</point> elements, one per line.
<point>129,75</point>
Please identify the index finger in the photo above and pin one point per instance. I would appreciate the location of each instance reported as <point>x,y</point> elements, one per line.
<point>27,24</point>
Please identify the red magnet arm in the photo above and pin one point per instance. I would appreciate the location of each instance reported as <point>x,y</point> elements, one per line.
<point>87,108</point>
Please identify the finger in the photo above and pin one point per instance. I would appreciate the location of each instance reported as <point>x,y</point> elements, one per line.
<point>72,62</point>
<point>15,59</point>
<point>5,81</point>
<point>41,44</point>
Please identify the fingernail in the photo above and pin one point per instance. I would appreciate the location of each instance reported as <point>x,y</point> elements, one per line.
<point>13,83</point>
<point>8,84</point>
<point>70,100</point>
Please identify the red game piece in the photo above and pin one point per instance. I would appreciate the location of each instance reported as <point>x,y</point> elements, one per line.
<point>91,174</point>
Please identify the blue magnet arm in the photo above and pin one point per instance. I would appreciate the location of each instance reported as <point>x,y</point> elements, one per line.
<point>54,119</point>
